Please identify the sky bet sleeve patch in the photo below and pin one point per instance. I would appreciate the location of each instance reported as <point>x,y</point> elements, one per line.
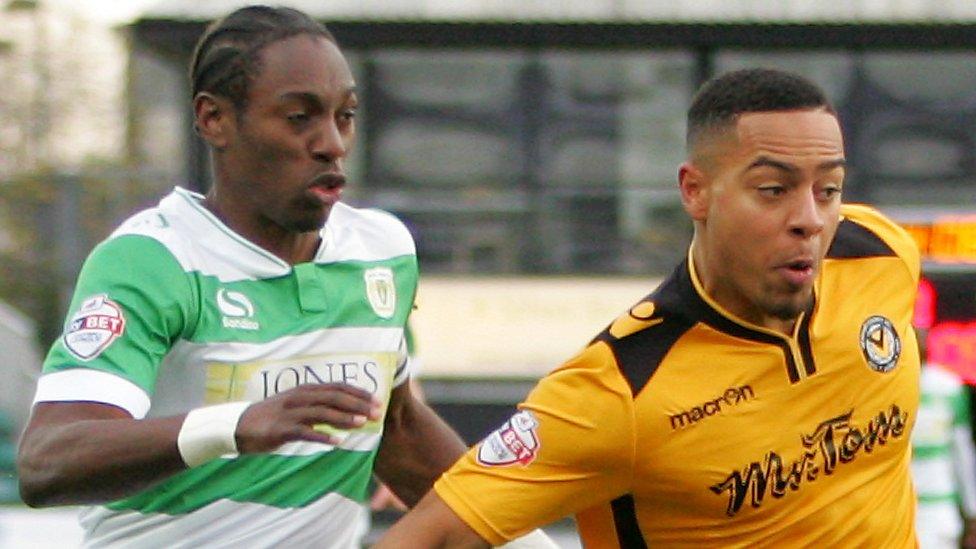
<point>514,442</point>
<point>98,322</point>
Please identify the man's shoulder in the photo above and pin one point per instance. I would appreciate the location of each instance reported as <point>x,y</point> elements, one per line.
<point>368,232</point>
<point>344,215</point>
<point>865,232</point>
<point>642,336</point>
<point>156,221</point>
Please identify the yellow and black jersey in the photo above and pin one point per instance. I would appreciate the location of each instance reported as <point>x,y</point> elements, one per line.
<point>683,426</point>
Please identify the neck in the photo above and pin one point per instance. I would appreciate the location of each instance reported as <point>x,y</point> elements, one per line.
<point>733,303</point>
<point>289,246</point>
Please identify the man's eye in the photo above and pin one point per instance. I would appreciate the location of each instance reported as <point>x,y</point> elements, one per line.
<point>772,190</point>
<point>831,192</point>
<point>348,114</point>
<point>297,117</point>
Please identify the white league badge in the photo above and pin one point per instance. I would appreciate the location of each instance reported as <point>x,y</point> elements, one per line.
<point>98,322</point>
<point>514,442</point>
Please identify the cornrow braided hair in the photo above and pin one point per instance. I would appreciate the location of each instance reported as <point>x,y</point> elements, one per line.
<point>226,58</point>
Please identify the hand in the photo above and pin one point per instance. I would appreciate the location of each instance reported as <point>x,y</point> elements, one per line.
<point>384,498</point>
<point>293,414</point>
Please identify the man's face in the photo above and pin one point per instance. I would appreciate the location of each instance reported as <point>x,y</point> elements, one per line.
<point>284,156</point>
<point>767,211</point>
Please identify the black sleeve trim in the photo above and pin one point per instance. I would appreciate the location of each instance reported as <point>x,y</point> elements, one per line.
<point>854,241</point>
<point>639,354</point>
<point>625,522</point>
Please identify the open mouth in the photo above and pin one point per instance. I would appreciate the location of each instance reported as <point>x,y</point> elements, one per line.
<point>798,273</point>
<point>327,188</point>
<point>800,266</point>
<point>329,181</point>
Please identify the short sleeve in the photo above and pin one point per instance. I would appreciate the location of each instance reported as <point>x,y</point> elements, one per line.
<point>569,447</point>
<point>132,301</point>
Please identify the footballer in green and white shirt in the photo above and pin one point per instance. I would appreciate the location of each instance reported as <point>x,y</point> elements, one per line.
<point>175,311</point>
<point>943,459</point>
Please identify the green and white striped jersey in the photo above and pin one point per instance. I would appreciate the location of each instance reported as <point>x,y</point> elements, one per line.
<point>175,311</point>
<point>943,457</point>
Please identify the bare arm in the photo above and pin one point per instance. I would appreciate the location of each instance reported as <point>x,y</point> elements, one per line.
<point>86,452</point>
<point>431,525</point>
<point>417,446</point>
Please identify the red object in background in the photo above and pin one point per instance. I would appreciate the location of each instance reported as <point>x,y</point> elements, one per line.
<point>945,309</point>
<point>925,305</point>
<point>953,344</point>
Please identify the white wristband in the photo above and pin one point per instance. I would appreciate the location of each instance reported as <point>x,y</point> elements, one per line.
<point>208,432</point>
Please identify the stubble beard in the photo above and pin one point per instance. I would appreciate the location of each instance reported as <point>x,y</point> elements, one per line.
<point>791,309</point>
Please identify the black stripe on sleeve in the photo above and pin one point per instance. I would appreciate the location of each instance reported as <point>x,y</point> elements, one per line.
<point>625,522</point>
<point>854,241</point>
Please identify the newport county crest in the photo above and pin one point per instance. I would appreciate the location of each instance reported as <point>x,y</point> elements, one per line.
<point>381,291</point>
<point>880,344</point>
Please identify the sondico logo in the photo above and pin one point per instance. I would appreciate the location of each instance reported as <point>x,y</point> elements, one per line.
<point>731,397</point>
<point>237,309</point>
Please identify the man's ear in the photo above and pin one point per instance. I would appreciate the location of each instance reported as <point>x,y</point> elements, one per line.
<point>211,116</point>
<point>693,184</point>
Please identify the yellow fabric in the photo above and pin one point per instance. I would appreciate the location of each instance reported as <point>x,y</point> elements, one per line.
<point>717,414</point>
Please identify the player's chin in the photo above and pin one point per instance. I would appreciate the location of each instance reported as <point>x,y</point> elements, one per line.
<point>309,219</point>
<point>792,307</point>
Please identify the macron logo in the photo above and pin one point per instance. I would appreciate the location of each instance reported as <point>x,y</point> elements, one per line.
<point>731,397</point>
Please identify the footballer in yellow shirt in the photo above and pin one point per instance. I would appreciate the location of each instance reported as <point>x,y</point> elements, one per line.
<point>762,396</point>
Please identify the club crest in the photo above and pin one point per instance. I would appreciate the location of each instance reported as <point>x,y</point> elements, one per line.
<point>880,344</point>
<point>381,291</point>
<point>514,442</point>
<point>98,322</point>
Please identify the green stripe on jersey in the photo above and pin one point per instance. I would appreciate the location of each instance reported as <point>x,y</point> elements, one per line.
<point>140,277</point>
<point>928,499</point>
<point>311,297</point>
<point>276,480</point>
<point>931,451</point>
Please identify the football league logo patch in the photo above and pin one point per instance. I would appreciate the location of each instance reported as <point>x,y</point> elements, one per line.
<point>515,442</point>
<point>94,327</point>
<point>880,344</point>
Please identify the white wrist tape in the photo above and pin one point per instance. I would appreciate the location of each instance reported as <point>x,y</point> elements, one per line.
<point>208,432</point>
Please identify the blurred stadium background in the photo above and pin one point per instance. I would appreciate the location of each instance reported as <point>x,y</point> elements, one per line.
<point>531,146</point>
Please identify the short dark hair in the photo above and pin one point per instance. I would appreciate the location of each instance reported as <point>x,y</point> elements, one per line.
<point>226,58</point>
<point>721,100</point>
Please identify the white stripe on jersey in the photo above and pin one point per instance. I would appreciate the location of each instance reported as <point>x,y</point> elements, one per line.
<point>351,234</point>
<point>84,384</point>
<point>332,521</point>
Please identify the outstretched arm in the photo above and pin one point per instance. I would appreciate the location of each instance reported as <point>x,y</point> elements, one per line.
<point>88,452</point>
<point>431,525</point>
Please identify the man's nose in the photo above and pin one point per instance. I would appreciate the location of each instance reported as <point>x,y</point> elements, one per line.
<point>327,144</point>
<point>808,217</point>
